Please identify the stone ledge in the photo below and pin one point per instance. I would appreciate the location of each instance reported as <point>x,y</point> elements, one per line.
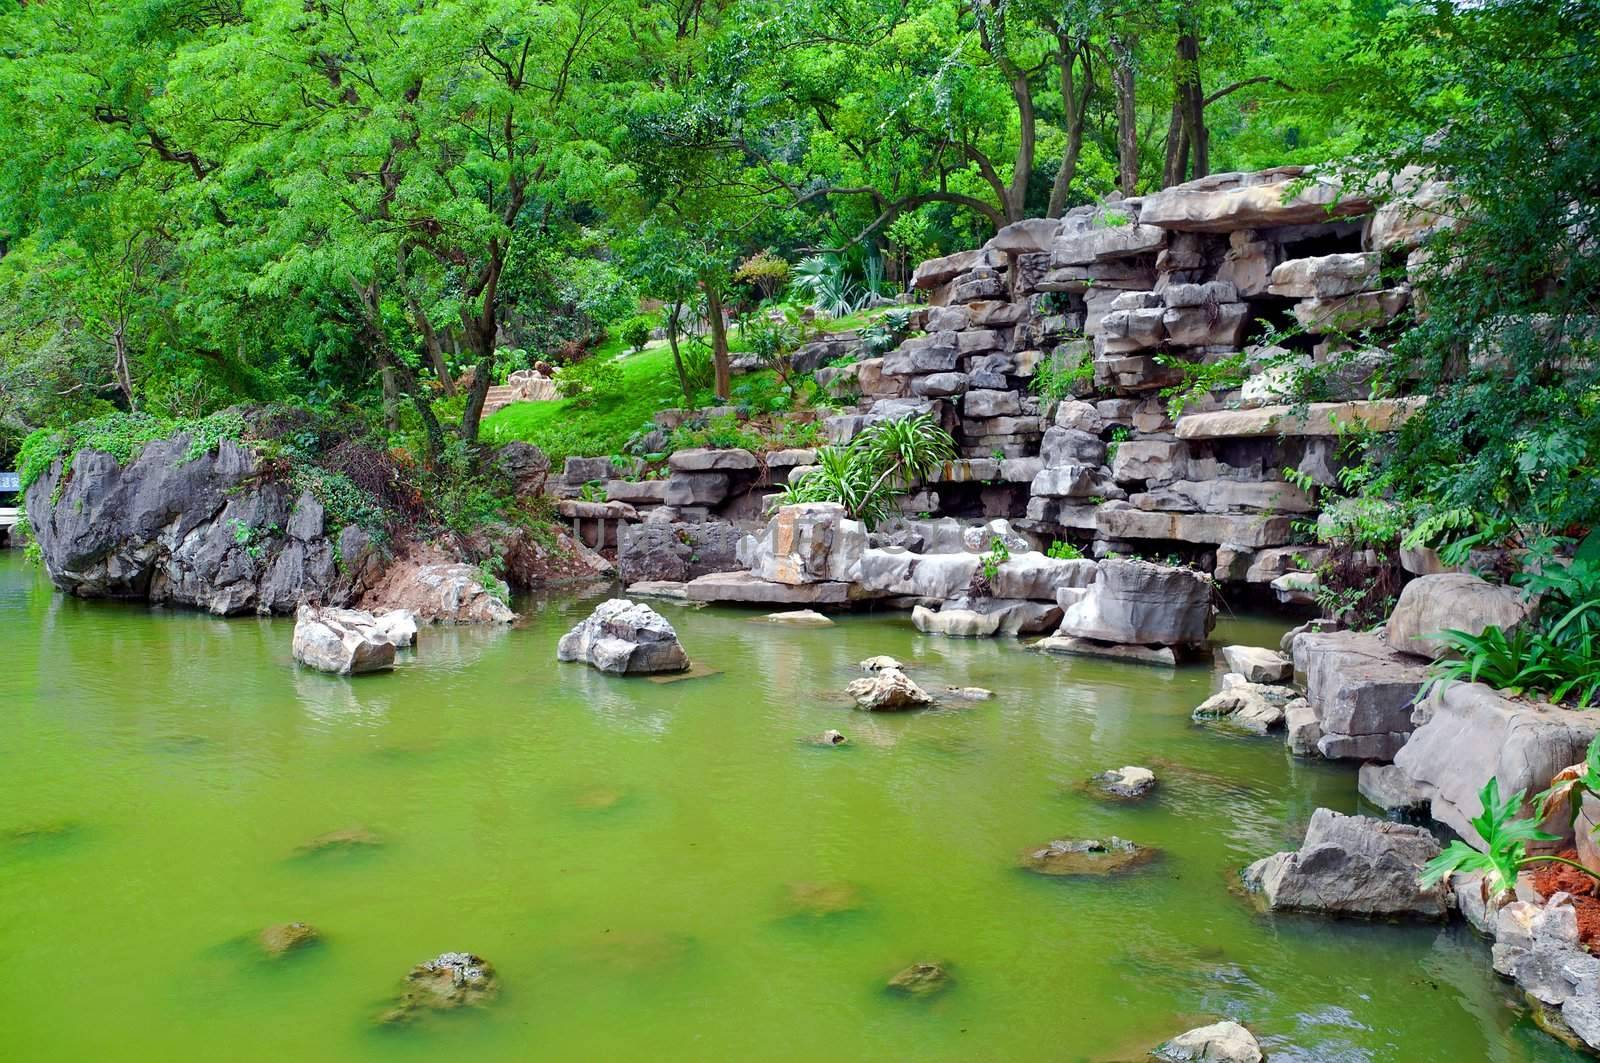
<point>1315,419</point>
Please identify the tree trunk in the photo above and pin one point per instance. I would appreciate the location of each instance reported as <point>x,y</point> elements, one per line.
<point>436,355</point>
<point>1016,204</point>
<point>472,416</point>
<point>677,356</point>
<point>1127,115</point>
<point>1193,101</point>
<point>1177,149</point>
<point>119,343</point>
<point>391,400</point>
<point>719,341</point>
<point>1074,107</point>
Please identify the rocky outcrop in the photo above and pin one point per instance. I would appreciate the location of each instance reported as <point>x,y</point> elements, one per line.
<point>213,529</point>
<point>1127,784</point>
<point>1467,733</point>
<point>449,981</point>
<point>1139,602</point>
<point>676,551</point>
<point>1361,691</point>
<point>1258,665</point>
<point>442,592</point>
<point>624,638</point>
<point>1456,601</point>
<point>1353,866</point>
<point>1253,708</point>
<point>1537,946</point>
<point>1087,856</point>
<point>985,617</point>
<point>341,641</point>
<point>810,543</point>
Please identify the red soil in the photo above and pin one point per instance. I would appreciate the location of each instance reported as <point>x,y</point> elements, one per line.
<point>1550,879</point>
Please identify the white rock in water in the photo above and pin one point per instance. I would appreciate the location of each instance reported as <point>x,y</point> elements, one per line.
<point>399,626</point>
<point>341,641</point>
<point>1221,1042</point>
<point>888,691</point>
<point>881,663</point>
<point>1258,665</point>
<point>624,638</point>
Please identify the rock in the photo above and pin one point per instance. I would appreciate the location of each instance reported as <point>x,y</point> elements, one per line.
<point>986,617</point>
<point>1420,206</point>
<point>676,551</point>
<point>1312,419</point>
<point>807,543</point>
<point>887,691</point>
<point>900,572</point>
<point>444,592</point>
<point>578,470</point>
<point>1247,707</point>
<point>1069,646</point>
<point>399,626</point>
<point>817,900</point>
<point>672,590</point>
<point>1361,690</point>
<point>1353,866</point>
<point>1391,789</point>
<point>451,980</point>
<point>341,641</point>
<point>1302,731</point>
<point>624,638</point>
<point>1221,1042</point>
<point>348,839</point>
<point>1467,733</point>
<point>525,465</point>
<point>750,589</point>
<point>283,938</point>
<point>1139,602</point>
<point>1128,783</point>
<point>1086,856</point>
<point>881,663</point>
<point>1539,948</point>
<point>200,531</point>
<point>921,980</point>
<point>702,459</point>
<point>969,693</point>
<point>1258,665</point>
<point>990,404</point>
<point>1084,246</point>
<point>1429,605</point>
<point>1325,276</point>
<point>828,738</point>
<point>799,618</point>
<point>1225,202</point>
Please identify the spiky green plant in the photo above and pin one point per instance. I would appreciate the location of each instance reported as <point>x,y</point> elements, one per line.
<point>1505,838</point>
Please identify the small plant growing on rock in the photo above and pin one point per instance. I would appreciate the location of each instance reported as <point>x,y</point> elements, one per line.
<point>868,473</point>
<point>1062,550</point>
<point>1505,839</point>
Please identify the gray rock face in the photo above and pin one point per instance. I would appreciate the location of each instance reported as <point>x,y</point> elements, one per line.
<point>1353,866</point>
<point>1361,691</point>
<point>1258,665</point>
<point>1325,276</point>
<point>1248,707</point>
<point>451,980</point>
<point>1139,602</point>
<point>624,638</point>
<point>1538,947</point>
<point>1221,1042</point>
<point>656,550</point>
<point>446,593</point>
<point>702,459</point>
<point>1391,789</point>
<point>1450,600</point>
<point>986,617</point>
<point>1129,783</point>
<point>1231,202</point>
<point>1467,733</point>
<point>341,641</point>
<point>203,531</point>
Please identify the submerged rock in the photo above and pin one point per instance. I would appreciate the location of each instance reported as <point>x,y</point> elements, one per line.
<point>1354,866</point>
<point>285,937</point>
<point>828,738</point>
<point>888,691</point>
<point>1221,1042</point>
<point>450,980</point>
<point>1086,856</point>
<point>921,980</point>
<point>349,838</point>
<point>1250,707</point>
<point>341,641</point>
<point>881,663</point>
<point>820,899</point>
<point>1072,646</point>
<point>800,618</point>
<point>1129,783</point>
<point>624,638</point>
<point>969,693</point>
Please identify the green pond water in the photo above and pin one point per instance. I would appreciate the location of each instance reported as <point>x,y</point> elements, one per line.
<point>626,853</point>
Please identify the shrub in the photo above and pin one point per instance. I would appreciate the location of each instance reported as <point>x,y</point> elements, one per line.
<point>867,474</point>
<point>636,333</point>
<point>589,379</point>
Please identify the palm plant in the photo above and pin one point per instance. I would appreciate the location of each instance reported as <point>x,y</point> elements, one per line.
<point>867,474</point>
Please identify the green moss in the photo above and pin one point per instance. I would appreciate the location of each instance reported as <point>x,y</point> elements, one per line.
<point>122,436</point>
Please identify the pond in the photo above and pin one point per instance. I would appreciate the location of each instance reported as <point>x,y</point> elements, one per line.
<point>658,871</point>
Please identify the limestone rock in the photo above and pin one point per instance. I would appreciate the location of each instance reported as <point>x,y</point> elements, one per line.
<point>399,626</point>
<point>1353,866</point>
<point>1429,605</point>
<point>1129,783</point>
<point>1325,276</point>
<point>1302,731</point>
<point>807,543</point>
<point>451,980</point>
<point>1070,646</point>
<point>920,980</point>
<point>881,663</point>
<point>799,618</point>
<point>1350,313</point>
<point>1361,691</point>
<point>1086,856</point>
<point>676,551</point>
<point>446,592</point>
<point>985,617</point>
<point>283,938</point>
<point>1467,733</point>
<point>1225,202</point>
<point>1139,602</point>
<point>1247,707</point>
<point>1221,1042</point>
<point>341,641</point>
<point>902,572</point>
<point>887,691</point>
<point>828,738</point>
<point>1313,419</point>
<point>703,459</point>
<point>1258,665</point>
<point>1391,789</point>
<point>624,638</point>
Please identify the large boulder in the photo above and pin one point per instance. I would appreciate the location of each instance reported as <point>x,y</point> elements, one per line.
<point>341,641</point>
<point>1258,665</point>
<point>1353,866</point>
<point>1361,691</point>
<point>443,592</point>
<point>1224,202</point>
<point>624,638</point>
<point>204,529</point>
<point>1467,734</point>
<point>658,550</point>
<point>983,617</point>
<point>1457,601</point>
<point>1139,602</point>
<point>1221,1042</point>
<point>807,543</point>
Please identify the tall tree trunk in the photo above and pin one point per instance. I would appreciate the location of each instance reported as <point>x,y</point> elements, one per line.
<point>441,369</point>
<point>1022,167</point>
<point>119,343</point>
<point>1193,100</point>
<point>677,356</point>
<point>391,400</point>
<point>1177,148</point>
<point>1074,108</point>
<point>1127,115</point>
<point>719,341</point>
